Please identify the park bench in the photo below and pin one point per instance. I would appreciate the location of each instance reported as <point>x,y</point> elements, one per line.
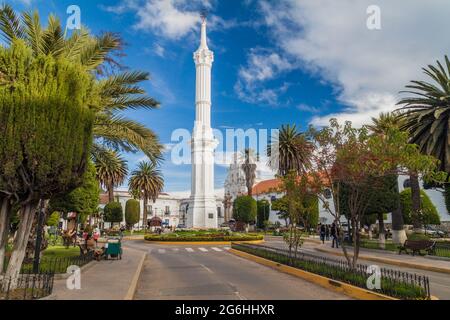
<point>417,245</point>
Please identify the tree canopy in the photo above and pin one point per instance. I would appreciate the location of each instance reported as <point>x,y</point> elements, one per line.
<point>113,212</point>
<point>244,209</point>
<point>429,212</point>
<point>132,212</point>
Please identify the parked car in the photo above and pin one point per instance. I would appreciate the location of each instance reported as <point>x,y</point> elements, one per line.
<point>181,226</point>
<point>433,232</point>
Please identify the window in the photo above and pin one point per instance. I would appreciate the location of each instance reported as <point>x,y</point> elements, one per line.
<point>219,212</point>
<point>149,209</point>
<point>211,215</point>
<point>273,198</point>
<point>167,210</point>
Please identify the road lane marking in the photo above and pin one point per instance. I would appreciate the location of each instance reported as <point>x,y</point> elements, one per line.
<point>175,249</point>
<point>226,248</point>
<point>206,268</point>
<point>203,249</point>
<point>189,250</point>
<point>162,250</point>
<point>216,249</point>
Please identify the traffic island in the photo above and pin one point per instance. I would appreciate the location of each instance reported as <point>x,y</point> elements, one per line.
<point>204,237</point>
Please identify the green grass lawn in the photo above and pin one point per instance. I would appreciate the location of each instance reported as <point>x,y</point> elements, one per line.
<point>61,252</point>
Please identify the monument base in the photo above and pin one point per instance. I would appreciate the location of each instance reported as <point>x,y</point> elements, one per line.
<point>202,213</point>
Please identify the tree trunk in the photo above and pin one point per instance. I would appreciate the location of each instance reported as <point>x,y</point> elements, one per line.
<point>398,230</point>
<point>145,214</point>
<point>5,214</point>
<point>415,201</point>
<point>381,232</point>
<point>111,193</point>
<point>20,242</point>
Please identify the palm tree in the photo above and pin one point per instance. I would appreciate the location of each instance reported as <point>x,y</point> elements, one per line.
<point>249,168</point>
<point>425,116</point>
<point>146,183</point>
<point>111,171</point>
<point>292,151</point>
<point>116,92</point>
<point>381,126</point>
<point>426,113</point>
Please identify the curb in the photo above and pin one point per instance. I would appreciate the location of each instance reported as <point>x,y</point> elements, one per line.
<point>341,287</point>
<point>204,242</point>
<point>392,262</point>
<point>135,280</point>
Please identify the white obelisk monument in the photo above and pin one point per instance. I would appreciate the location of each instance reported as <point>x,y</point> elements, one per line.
<point>202,211</point>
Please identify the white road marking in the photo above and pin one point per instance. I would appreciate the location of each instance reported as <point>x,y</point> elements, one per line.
<point>189,250</point>
<point>175,249</point>
<point>206,268</point>
<point>162,250</point>
<point>203,249</point>
<point>227,248</point>
<point>216,249</point>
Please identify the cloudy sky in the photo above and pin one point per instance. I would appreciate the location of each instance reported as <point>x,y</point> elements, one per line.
<point>276,62</point>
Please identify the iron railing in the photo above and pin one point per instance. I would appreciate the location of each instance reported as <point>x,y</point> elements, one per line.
<point>394,283</point>
<point>26,286</point>
<point>58,264</point>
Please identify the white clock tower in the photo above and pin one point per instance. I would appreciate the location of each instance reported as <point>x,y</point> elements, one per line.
<point>202,211</point>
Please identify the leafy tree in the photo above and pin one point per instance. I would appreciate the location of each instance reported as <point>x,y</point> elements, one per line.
<point>429,212</point>
<point>113,212</point>
<point>111,170</point>
<point>244,209</point>
<point>146,183</point>
<point>46,130</point>
<point>132,212</point>
<point>263,212</point>
<point>281,205</point>
<point>53,219</point>
<point>84,200</point>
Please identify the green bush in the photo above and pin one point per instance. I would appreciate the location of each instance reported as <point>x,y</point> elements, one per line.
<point>418,236</point>
<point>204,235</point>
<point>430,214</point>
<point>263,211</point>
<point>132,212</point>
<point>113,212</point>
<point>244,209</point>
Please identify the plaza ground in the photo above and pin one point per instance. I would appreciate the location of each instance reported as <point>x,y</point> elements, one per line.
<point>193,272</point>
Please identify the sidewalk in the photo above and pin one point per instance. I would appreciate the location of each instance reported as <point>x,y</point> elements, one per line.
<point>105,280</point>
<point>403,260</point>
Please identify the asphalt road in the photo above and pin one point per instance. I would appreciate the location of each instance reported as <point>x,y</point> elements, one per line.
<point>439,282</point>
<point>210,272</point>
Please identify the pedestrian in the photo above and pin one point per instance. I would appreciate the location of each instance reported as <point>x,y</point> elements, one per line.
<point>334,235</point>
<point>327,232</point>
<point>322,233</point>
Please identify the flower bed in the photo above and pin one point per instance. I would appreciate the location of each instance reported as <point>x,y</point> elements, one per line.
<point>203,235</point>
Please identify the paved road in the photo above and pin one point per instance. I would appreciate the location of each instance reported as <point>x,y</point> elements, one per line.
<point>439,282</point>
<point>210,272</point>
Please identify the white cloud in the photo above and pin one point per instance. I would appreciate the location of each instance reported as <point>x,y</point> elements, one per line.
<point>159,50</point>
<point>367,67</point>
<point>262,65</point>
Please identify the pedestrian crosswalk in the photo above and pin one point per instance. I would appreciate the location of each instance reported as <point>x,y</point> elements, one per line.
<point>188,250</point>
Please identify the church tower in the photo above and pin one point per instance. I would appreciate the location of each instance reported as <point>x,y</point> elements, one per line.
<point>202,211</point>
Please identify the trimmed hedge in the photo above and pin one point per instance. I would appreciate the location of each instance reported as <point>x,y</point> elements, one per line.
<point>193,238</point>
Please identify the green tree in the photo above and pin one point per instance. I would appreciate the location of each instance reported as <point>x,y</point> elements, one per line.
<point>53,219</point>
<point>46,130</point>
<point>118,90</point>
<point>111,170</point>
<point>113,212</point>
<point>429,213</point>
<point>84,200</point>
<point>281,205</point>
<point>132,212</point>
<point>244,209</point>
<point>381,126</point>
<point>263,212</point>
<point>146,183</point>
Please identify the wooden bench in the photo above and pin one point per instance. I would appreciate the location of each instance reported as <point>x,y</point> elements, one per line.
<point>417,245</point>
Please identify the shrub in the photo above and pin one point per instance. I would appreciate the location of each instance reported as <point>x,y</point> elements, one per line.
<point>263,211</point>
<point>244,209</point>
<point>113,212</point>
<point>430,214</point>
<point>132,212</point>
<point>203,235</point>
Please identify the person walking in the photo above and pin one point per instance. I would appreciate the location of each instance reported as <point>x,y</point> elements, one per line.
<point>334,235</point>
<point>322,233</point>
<point>327,232</point>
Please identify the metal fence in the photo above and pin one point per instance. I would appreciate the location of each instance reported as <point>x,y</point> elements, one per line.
<point>59,264</point>
<point>26,286</point>
<point>394,283</point>
<point>442,249</point>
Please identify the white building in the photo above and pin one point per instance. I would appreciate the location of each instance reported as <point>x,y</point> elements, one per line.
<point>170,209</point>
<point>202,211</point>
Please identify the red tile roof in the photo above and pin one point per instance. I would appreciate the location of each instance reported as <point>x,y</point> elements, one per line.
<point>266,186</point>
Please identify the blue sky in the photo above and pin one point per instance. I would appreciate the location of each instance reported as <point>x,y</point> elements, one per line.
<point>276,62</point>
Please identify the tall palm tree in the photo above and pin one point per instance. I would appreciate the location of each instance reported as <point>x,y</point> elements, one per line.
<point>111,171</point>
<point>249,168</point>
<point>291,151</point>
<point>381,126</point>
<point>116,92</point>
<point>146,183</point>
<point>426,113</point>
